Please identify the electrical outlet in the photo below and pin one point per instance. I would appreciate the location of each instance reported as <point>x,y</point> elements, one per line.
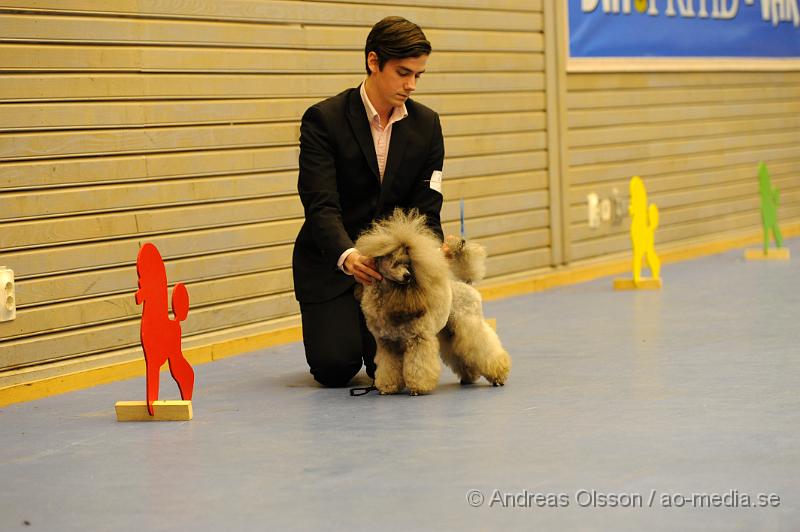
<point>593,202</point>
<point>8,299</point>
<point>610,209</point>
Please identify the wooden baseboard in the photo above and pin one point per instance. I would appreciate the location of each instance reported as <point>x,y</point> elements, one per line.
<point>604,267</point>
<point>77,380</point>
<point>645,283</point>
<point>771,254</point>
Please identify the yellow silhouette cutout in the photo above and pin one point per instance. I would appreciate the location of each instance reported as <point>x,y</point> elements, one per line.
<point>644,222</point>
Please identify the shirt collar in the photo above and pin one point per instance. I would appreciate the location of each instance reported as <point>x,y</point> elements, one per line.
<point>398,113</point>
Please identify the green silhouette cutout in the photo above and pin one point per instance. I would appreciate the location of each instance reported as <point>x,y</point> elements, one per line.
<point>769,208</point>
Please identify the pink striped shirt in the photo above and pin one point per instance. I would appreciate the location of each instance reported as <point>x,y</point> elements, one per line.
<point>381,134</point>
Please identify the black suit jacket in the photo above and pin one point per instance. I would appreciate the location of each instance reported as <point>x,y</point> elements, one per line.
<point>340,186</point>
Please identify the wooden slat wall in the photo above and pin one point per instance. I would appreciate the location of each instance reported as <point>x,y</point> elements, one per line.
<point>177,123</point>
<point>695,138</point>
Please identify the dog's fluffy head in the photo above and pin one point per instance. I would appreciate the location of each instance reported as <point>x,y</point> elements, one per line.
<point>405,249</point>
<point>396,266</point>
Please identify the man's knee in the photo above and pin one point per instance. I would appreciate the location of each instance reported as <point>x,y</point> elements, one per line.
<point>335,376</point>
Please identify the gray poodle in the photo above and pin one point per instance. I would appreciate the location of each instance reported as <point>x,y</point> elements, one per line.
<point>424,304</point>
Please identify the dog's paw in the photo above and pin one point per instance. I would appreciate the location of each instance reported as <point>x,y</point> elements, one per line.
<point>389,390</point>
<point>467,376</point>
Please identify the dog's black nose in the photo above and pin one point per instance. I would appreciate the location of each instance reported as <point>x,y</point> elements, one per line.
<point>407,277</point>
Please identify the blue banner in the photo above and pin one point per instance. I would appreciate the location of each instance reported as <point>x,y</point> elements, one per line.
<point>684,28</point>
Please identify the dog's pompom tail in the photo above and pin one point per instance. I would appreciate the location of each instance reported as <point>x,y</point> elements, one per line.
<point>180,302</point>
<point>467,259</point>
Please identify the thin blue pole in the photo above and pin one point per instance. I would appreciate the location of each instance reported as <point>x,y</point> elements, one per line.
<point>462,217</point>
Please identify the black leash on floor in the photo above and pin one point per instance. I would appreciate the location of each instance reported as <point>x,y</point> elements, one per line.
<point>363,390</point>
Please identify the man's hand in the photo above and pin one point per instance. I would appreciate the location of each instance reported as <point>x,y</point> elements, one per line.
<point>362,268</point>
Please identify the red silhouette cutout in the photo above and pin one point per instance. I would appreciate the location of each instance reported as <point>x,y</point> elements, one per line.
<point>161,336</point>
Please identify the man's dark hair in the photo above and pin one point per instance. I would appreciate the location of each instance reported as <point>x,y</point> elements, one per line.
<point>395,38</point>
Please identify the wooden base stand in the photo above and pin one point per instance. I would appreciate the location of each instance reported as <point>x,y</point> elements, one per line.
<point>162,411</point>
<point>645,283</point>
<point>771,254</point>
